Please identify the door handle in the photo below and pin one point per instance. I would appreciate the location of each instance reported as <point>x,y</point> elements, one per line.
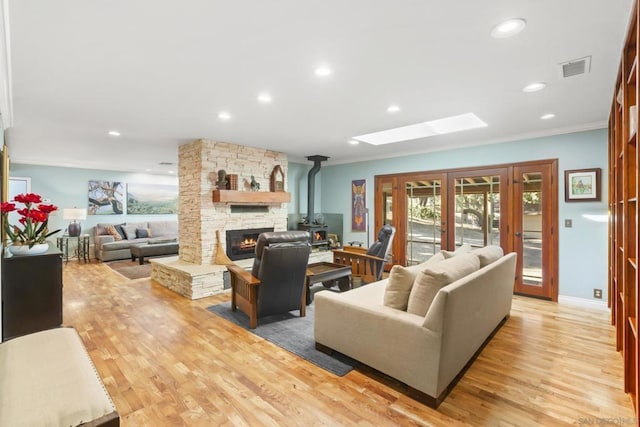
<point>518,234</point>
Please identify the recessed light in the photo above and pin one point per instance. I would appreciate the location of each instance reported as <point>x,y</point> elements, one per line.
<point>547,116</point>
<point>534,87</point>
<point>147,170</point>
<point>171,172</point>
<point>264,98</point>
<point>508,28</point>
<point>323,71</point>
<point>224,115</point>
<point>354,142</point>
<point>393,109</point>
<point>114,133</point>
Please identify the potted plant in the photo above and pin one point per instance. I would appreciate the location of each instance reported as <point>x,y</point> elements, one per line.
<point>30,236</point>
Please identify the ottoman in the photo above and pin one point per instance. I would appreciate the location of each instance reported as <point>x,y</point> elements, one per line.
<point>153,249</point>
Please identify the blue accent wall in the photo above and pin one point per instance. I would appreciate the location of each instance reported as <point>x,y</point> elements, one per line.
<point>583,248</point>
<point>68,188</point>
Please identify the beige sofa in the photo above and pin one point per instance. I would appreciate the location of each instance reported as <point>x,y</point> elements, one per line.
<point>108,247</point>
<point>425,352</point>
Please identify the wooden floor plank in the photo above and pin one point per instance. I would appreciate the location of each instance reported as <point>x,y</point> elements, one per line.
<point>168,361</point>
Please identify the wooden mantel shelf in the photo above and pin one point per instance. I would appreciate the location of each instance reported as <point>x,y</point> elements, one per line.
<point>251,197</point>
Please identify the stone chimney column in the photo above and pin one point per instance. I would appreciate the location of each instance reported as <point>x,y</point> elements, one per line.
<point>198,217</point>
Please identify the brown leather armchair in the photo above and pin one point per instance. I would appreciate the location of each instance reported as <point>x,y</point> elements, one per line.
<point>276,283</point>
<point>367,264</point>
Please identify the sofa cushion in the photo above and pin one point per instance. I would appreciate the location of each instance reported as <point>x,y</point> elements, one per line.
<point>111,230</point>
<point>401,280</point>
<point>142,232</point>
<point>120,231</point>
<point>163,228</point>
<point>130,231</point>
<point>396,294</point>
<point>429,281</point>
<point>488,254</point>
<point>162,240</point>
<point>121,244</point>
<point>415,269</point>
<point>461,250</point>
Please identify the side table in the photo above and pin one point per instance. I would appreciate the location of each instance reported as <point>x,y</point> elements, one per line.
<point>81,250</point>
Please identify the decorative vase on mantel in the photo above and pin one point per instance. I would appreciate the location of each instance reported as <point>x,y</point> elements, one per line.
<point>36,249</point>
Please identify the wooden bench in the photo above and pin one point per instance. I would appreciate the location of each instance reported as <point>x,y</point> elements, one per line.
<point>48,379</point>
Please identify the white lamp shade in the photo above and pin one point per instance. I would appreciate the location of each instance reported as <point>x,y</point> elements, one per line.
<point>74,213</point>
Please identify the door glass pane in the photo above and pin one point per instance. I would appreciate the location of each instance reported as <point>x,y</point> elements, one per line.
<point>387,202</point>
<point>477,213</point>
<point>532,229</point>
<point>424,217</point>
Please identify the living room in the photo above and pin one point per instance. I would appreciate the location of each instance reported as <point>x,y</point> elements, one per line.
<point>166,360</point>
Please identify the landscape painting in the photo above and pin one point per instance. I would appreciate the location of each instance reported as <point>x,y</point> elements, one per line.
<point>106,198</point>
<point>150,199</point>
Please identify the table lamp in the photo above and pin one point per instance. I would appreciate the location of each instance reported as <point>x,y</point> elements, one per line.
<point>74,214</point>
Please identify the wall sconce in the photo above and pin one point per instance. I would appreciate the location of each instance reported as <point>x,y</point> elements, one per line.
<point>74,214</point>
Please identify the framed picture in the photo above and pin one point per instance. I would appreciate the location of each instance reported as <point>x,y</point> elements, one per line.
<point>582,185</point>
<point>359,205</point>
<point>106,198</point>
<point>152,199</point>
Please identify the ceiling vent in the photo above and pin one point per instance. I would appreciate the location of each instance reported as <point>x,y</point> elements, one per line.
<point>575,67</point>
<point>166,164</point>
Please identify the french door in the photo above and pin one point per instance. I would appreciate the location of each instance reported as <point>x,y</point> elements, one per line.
<point>535,229</point>
<point>425,215</point>
<point>513,206</point>
<point>479,199</point>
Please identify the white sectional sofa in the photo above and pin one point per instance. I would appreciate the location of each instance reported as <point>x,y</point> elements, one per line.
<point>427,352</point>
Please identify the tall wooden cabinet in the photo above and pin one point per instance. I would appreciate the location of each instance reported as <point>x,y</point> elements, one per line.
<point>623,209</point>
<point>31,293</point>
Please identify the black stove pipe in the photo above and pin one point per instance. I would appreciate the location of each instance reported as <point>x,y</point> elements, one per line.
<point>311,185</point>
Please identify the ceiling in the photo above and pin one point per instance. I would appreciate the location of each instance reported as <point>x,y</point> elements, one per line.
<point>161,72</point>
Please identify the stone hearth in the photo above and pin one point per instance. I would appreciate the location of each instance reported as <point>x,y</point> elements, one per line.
<point>194,273</point>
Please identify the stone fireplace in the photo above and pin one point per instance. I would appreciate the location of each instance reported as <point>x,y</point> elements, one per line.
<point>194,273</point>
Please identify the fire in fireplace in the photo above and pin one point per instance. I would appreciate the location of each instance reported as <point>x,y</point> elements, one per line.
<point>241,243</point>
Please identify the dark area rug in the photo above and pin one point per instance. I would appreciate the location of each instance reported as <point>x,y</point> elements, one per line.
<point>291,332</point>
<point>130,269</point>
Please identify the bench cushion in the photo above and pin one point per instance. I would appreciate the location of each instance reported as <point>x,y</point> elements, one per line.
<point>47,378</point>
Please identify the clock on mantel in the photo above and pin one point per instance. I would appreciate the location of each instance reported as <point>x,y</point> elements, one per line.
<point>251,197</point>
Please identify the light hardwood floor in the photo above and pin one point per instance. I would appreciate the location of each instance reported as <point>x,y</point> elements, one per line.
<point>168,361</point>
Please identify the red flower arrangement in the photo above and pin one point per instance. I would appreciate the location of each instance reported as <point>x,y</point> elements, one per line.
<point>34,218</point>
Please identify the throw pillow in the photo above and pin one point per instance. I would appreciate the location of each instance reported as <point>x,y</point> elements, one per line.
<point>461,250</point>
<point>396,294</point>
<point>129,231</point>
<point>488,254</point>
<point>415,269</point>
<point>120,231</point>
<point>111,230</point>
<point>142,232</point>
<point>429,281</point>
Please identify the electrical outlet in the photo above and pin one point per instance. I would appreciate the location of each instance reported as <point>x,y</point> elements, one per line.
<point>597,293</point>
<point>568,223</point>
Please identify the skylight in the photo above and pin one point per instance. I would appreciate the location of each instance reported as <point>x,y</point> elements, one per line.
<point>423,130</point>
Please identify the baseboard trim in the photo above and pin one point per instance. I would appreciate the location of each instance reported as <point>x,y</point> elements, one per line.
<point>582,302</point>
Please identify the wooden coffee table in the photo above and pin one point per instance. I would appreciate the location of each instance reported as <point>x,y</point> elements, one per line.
<point>327,273</point>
